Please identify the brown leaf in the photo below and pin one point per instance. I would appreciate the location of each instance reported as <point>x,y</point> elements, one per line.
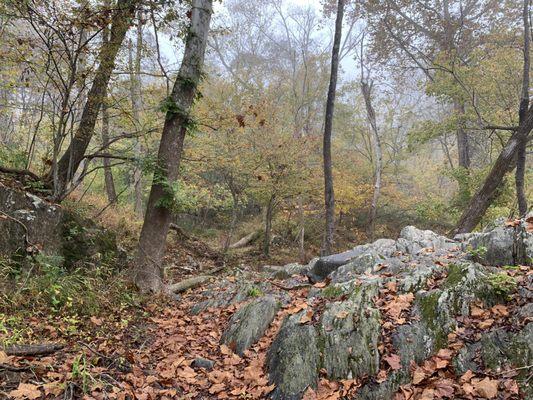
<point>53,388</point>
<point>487,323</point>
<point>500,310</point>
<point>476,311</point>
<point>307,317</point>
<point>486,388</point>
<point>381,376</point>
<point>342,314</point>
<point>320,285</point>
<point>445,388</point>
<point>394,361</point>
<point>225,350</point>
<point>466,376</point>
<point>26,391</point>
<point>4,358</point>
<point>309,394</point>
<point>217,388</point>
<point>418,376</point>
<point>427,394</point>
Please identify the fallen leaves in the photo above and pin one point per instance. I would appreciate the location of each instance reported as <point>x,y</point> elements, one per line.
<point>486,388</point>
<point>307,317</point>
<point>26,391</point>
<point>394,361</point>
<point>400,303</point>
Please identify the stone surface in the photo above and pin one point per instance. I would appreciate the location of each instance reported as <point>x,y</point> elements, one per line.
<point>286,271</point>
<point>357,266</point>
<point>43,221</point>
<point>350,333</point>
<point>412,240</point>
<point>249,324</point>
<point>361,256</point>
<point>52,229</point>
<point>293,359</point>
<point>344,336</point>
<point>200,362</point>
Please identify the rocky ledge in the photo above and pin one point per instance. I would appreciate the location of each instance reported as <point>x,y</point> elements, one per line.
<point>422,316</point>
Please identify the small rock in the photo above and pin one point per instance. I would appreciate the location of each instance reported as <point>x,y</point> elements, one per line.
<point>200,362</point>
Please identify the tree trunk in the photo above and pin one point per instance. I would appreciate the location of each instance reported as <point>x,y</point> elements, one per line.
<point>524,103</point>
<point>149,272</point>
<point>233,223</point>
<point>506,161</point>
<point>108,173</point>
<point>463,145</point>
<point>269,212</point>
<point>71,159</point>
<point>301,233</point>
<point>136,105</point>
<point>329,196</point>
<point>366,89</point>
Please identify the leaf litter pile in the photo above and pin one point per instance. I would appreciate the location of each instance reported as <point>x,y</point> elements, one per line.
<point>156,356</point>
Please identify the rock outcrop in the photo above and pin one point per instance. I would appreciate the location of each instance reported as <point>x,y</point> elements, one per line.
<point>31,224</point>
<point>402,300</point>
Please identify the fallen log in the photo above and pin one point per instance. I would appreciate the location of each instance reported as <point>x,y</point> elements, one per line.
<point>245,240</point>
<point>19,172</point>
<point>193,282</point>
<point>32,349</point>
<point>188,283</point>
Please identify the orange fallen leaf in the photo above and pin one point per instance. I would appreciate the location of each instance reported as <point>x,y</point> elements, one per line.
<point>500,309</point>
<point>225,350</point>
<point>466,377</point>
<point>26,391</point>
<point>486,388</point>
<point>476,311</point>
<point>394,361</point>
<point>217,388</point>
<point>418,376</point>
<point>342,314</point>
<point>487,323</point>
<point>4,358</point>
<point>307,317</point>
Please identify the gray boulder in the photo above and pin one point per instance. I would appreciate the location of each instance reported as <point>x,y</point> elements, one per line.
<point>412,240</point>
<point>39,223</point>
<point>324,266</point>
<point>249,323</point>
<point>293,359</point>
<point>286,271</point>
<point>357,266</point>
<point>350,332</point>
<point>495,247</point>
<point>54,231</point>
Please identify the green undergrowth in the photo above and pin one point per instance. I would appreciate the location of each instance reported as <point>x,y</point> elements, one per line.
<point>40,296</point>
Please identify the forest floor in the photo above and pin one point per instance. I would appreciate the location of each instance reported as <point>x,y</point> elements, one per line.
<point>150,351</point>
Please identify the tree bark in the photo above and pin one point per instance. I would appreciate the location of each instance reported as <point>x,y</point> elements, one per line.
<point>149,272</point>
<point>463,145</point>
<point>71,159</point>
<point>136,105</point>
<point>506,161</point>
<point>108,173</point>
<point>524,103</point>
<point>301,232</point>
<point>329,195</point>
<point>269,213</point>
<point>366,89</point>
